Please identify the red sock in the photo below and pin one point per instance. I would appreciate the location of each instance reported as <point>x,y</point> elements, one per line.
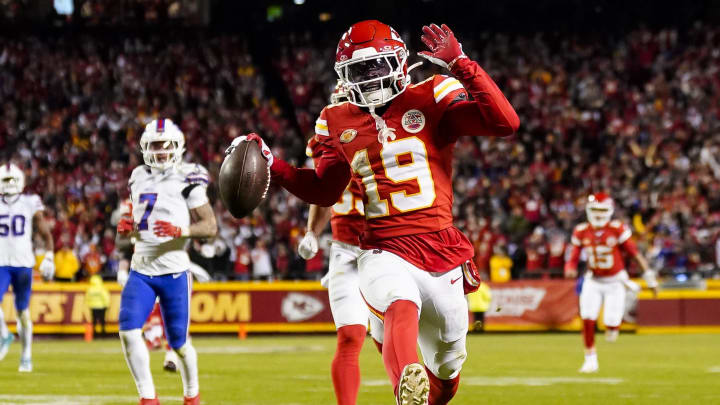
<point>378,345</point>
<point>400,339</point>
<point>345,365</point>
<point>442,391</point>
<point>589,333</point>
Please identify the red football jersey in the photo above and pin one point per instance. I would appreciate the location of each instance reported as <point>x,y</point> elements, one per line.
<point>603,246</point>
<point>348,215</point>
<point>407,183</point>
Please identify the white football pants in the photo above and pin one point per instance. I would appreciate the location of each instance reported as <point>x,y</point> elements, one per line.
<point>443,312</point>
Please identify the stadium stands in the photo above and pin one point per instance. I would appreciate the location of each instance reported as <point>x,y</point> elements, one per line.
<point>637,114</point>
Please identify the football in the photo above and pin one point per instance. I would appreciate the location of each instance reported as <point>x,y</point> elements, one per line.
<point>244,179</point>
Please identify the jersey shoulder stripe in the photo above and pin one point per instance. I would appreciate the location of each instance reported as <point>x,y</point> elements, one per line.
<point>321,127</point>
<point>446,87</point>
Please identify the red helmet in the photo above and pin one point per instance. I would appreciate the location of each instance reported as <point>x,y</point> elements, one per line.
<point>371,61</point>
<point>599,209</point>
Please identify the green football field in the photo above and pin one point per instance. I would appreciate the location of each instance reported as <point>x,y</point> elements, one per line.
<point>292,370</point>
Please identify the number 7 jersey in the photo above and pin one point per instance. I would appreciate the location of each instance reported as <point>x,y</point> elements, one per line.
<point>164,196</point>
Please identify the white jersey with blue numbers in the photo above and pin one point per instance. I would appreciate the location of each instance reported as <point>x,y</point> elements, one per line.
<point>16,229</point>
<point>164,196</point>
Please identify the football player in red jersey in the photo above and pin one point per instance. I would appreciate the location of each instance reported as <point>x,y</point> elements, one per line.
<point>395,140</point>
<point>351,315</point>
<point>604,240</point>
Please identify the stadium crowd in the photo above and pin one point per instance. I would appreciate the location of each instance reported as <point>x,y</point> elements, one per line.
<point>636,115</point>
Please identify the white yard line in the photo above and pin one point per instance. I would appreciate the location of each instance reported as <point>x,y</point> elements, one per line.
<point>6,399</point>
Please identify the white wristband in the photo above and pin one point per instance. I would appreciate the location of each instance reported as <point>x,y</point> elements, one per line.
<point>185,231</point>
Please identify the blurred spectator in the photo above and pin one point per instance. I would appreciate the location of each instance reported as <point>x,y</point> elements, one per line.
<point>97,299</point>
<point>66,262</point>
<point>479,303</point>
<point>500,265</point>
<point>262,265</point>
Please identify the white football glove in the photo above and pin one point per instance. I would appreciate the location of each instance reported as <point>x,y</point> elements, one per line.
<point>267,153</point>
<point>122,277</point>
<point>308,246</point>
<point>650,278</point>
<point>47,266</point>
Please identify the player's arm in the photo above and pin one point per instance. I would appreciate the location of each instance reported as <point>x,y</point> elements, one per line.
<point>628,244</point>
<point>202,218</point>
<point>318,218</point>
<point>322,186</point>
<point>489,113</point>
<point>202,222</point>
<point>42,229</point>
<point>571,264</point>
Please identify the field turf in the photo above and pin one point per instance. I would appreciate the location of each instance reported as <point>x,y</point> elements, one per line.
<point>294,370</point>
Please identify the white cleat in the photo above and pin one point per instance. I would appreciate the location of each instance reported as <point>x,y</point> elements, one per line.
<point>612,335</point>
<point>5,345</point>
<point>25,366</point>
<point>171,361</point>
<point>589,366</point>
<point>414,386</point>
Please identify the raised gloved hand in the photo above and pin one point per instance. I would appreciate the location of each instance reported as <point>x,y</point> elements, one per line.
<point>308,246</point>
<point>47,266</point>
<point>267,153</point>
<point>445,49</point>
<point>164,228</point>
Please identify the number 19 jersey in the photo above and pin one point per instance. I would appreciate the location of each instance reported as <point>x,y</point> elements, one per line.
<point>406,182</point>
<point>16,229</point>
<point>164,196</point>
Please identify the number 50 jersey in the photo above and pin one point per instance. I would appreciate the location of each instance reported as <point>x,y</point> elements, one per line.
<point>16,230</point>
<point>164,196</point>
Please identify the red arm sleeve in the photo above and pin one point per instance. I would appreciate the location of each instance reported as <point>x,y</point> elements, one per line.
<point>322,186</point>
<point>489,114</point>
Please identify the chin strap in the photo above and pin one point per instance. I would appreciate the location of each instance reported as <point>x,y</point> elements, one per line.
<point>383,131</point>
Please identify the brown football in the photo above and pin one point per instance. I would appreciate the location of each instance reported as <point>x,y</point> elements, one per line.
<point>244,179</point>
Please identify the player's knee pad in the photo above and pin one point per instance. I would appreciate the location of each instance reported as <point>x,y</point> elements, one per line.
<point>449,363</point>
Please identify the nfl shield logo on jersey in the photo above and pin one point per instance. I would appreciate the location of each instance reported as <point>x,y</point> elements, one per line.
<point>413,121</point>
<point>611,241</point>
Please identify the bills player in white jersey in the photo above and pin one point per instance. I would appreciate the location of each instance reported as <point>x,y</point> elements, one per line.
<point>169,205</point>
<point>20,216</point>
<point>604,241</point>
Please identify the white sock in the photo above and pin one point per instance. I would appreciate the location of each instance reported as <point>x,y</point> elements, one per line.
<point>591,357</point>
<point>25,331</point>
<point>138,360</point>
<point>4,332</point>
<point>187,357</point>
